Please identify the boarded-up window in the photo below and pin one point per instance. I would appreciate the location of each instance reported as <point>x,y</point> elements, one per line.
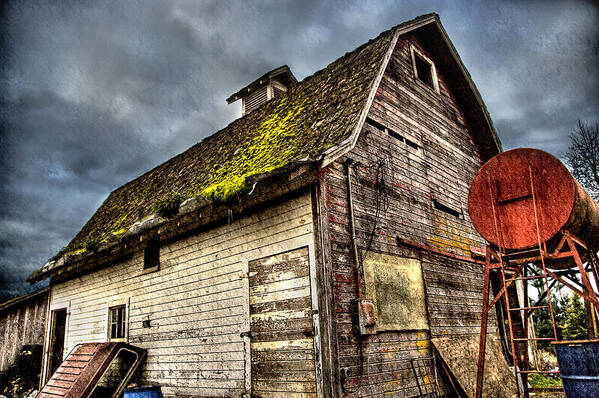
<point>396,286</point>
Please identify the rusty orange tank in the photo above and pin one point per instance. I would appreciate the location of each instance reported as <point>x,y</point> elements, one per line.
<point>501,205</point>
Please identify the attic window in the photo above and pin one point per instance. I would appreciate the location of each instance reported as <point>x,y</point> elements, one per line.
<point>152,254</point>
<point>424,69</point>
<point>444,208</point>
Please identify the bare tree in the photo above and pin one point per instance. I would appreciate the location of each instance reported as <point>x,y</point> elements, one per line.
<point>583,156</point>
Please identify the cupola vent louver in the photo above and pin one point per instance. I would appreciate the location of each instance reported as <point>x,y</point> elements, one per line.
<point>273,84</point>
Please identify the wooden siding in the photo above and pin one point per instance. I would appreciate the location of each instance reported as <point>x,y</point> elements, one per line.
<point>282,332</point>
<point>197,303</point>
<point>434,161</point>
<point>22,324</point>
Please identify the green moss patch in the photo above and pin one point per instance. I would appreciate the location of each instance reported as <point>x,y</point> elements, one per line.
<point>168,205</point>
<point>274,145</point>
<point>91,244</point>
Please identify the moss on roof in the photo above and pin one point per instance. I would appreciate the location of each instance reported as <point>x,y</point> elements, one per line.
<point>318,113</point>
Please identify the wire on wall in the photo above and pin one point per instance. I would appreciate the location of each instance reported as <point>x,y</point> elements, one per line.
<point>381,204</point>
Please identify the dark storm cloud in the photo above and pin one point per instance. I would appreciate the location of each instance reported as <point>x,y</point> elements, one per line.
<point>95,93</point>
<point>537,69</point>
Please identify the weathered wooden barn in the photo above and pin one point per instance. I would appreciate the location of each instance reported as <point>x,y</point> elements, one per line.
<point>322,245</point>
<point>22,323</point>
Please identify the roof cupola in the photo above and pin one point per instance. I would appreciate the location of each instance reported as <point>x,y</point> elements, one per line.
<point>272,84</point>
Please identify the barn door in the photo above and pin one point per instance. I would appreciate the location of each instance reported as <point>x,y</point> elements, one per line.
<point>281,328</point>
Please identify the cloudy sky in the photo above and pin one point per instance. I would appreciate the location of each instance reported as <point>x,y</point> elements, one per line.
<point>94,93</point>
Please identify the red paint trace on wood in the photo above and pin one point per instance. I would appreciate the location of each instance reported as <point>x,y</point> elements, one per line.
<point>401,241</point>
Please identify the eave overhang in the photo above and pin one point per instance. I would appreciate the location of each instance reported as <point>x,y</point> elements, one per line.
<point>195,215</point>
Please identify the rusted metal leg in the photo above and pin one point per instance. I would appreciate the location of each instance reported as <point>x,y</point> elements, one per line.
<point>583,273</point>
<point>525,315</point>
<point>483,328</point>
<point>594,262</point>
<point>515,359</point>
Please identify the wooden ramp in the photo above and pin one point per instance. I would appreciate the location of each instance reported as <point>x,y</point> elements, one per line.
<point>460,355</point>
<point>94,370</point>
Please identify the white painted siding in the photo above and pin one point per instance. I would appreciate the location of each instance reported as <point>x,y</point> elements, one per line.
<point>197,303</point>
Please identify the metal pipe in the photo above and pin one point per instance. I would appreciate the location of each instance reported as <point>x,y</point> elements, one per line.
<point>352,226</point>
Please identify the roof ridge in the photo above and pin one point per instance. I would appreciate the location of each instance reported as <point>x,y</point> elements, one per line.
<point>369,42</point>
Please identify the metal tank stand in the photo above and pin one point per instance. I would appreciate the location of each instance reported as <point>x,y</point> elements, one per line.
<point>553,266</point>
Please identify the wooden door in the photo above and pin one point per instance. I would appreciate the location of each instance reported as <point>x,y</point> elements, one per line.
<point>59,323</point>
<point>281,328</point>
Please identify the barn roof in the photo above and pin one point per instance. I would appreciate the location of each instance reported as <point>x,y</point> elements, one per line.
<point>320,117</point>
<point>17,300</point>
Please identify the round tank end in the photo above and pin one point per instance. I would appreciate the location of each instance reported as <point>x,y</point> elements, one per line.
<point>500,202</point>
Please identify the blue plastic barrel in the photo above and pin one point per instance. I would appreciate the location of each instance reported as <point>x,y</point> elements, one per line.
<point>579,367</point>
<point>143,392</point>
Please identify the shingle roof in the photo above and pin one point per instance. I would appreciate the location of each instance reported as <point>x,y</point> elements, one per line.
<point>20,299</point>
<point>319,112</point>
<point>319,118</point>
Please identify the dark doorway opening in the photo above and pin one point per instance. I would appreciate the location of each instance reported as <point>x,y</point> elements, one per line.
<point>59,323</point>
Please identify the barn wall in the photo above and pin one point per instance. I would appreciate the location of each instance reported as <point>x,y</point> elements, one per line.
<point>22,324</point>
<point>197,303</point>
<point>435,160</point>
